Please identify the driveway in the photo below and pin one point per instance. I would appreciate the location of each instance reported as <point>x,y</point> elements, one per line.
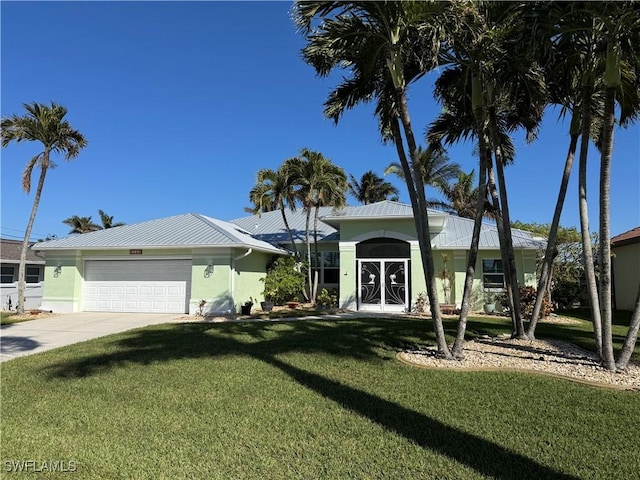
<point>25,338</point>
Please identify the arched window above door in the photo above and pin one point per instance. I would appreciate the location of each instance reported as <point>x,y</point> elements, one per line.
<point>383,248</point>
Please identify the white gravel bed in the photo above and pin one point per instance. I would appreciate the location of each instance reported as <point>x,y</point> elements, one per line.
<point>553,357</point>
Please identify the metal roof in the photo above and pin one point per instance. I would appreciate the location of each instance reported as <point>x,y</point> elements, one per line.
<point>385,209</point>
<point>269,226</point>
<point>180,231</point>
<point>457,233</point>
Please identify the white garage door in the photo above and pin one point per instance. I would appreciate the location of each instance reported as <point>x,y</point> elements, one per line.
<point>158,286</point>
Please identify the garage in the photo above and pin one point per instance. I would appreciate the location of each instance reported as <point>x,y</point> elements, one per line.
<point>149,286</point>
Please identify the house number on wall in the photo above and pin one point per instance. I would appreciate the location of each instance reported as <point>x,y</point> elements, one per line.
<point>134,251</point>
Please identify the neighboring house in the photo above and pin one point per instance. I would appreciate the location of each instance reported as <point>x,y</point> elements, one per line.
<point>9,263</point>
<point>368,253</point>
<point>626,268</point>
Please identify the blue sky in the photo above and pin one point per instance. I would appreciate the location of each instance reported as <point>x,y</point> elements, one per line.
<point>182,102</point>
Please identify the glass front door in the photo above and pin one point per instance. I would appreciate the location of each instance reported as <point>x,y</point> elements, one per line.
<point>382,285</point>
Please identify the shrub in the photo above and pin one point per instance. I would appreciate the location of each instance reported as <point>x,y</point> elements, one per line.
<point>284,281</point>
<point>528,301</point>
<point>329,299</point>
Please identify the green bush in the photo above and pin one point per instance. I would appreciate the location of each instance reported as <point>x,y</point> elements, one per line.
<point>327,298</point>
<point>284,281</point>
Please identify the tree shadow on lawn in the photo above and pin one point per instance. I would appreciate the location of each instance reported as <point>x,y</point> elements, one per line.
<point>369,340</point>
<point>477,453</point>
<point>358,339</point>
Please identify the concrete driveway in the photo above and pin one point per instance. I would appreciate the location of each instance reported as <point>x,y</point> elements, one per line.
<point>25,338</point>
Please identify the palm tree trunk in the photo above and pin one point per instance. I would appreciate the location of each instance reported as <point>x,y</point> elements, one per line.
<point>605,230</point>
<point>309,269</point>
<point>478,103</point>
<point>27,234</point>
<point>546,270</point>
<point>492,190</point>
<point>286,225</point>
<point>587,254</point>
<point>511,258</point>
<point>314,293</point>
<point>422,224</point>
<point>632,336</point>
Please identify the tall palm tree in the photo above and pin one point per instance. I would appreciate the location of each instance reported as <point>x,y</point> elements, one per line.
<point>107,220</point>
<point>319,182</point>
<point>385,46</point>
<point>275,190</point>
<point>488,91</point>
<point>601,41</point>
<point>81,224</point>
<point>45,124</point>
<point>371,188</point>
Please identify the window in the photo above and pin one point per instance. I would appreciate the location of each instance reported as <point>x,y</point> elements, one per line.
<point>6,275</point>
<point>328,267</point>
<point>492,273</point>
<point>383,248</point>
<point>32,275</point>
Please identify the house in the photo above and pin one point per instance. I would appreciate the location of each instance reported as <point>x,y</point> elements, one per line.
<point>9,263</point>
<point>626,268</point>
<point>369,254</point>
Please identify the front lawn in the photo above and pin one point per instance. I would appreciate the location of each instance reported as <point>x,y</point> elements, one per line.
<point>306,399</point>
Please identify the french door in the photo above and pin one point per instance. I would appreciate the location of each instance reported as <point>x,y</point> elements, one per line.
<point>383,285</point>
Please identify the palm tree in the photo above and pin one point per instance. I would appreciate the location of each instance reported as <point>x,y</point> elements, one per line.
<point>107,221</point>
<point>437,171</point>
<point>81,224</point>
<point>385,47</point>
<point>462,196</point>
<point>600,49</point>
<point>44,124</point>
<point>319,182</point>
<point>275,190</point>
<point>435,165</point>
<point>371,189</point>
<point>489,91</point>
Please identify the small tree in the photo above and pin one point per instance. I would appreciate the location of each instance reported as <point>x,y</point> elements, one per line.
<point>284,280</point>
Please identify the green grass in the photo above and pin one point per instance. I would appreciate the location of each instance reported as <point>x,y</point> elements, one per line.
<point>7,318</point>
<point>306,399</point>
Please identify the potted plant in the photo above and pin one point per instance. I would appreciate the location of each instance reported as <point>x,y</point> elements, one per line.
<point>246,308</point>
<point>266,306</point>
<point>489,302</point>
<point>325,300</point>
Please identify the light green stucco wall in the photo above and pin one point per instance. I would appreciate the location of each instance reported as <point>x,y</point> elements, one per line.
<point>248,272</point>
<point>211,276</point>
<point>62,283</point>
<point>351,231</point>
<point>211,281</point>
